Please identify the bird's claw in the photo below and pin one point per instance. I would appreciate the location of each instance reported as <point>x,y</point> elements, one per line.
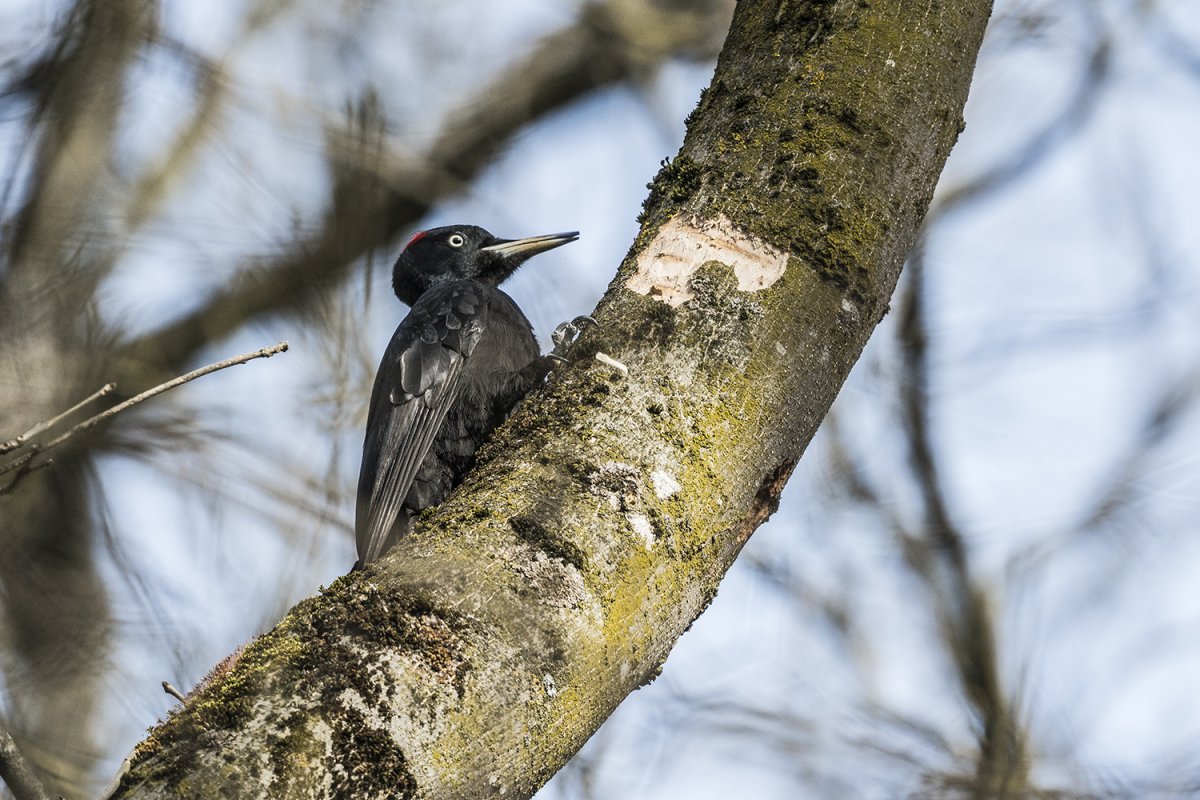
<point>565,336</point>
<point>567,332</point>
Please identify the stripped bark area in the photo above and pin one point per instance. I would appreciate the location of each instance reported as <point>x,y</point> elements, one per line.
<point>666,265</point>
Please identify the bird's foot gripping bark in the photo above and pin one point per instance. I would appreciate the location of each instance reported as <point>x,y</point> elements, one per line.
<point>566,335</point>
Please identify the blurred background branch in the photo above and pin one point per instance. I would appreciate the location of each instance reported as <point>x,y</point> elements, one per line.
<point>18,775</point>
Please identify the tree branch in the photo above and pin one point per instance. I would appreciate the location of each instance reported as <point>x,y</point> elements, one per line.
<point>78,107</point>
<point>41,427</point>
<point>938,555</point>
<point>16,772</point>
<point>478,655</point>
<point>23,463</point>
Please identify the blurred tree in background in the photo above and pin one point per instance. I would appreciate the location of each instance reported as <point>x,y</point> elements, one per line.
<point>983,566</point>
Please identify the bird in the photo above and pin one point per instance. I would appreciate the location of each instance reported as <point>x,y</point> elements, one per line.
<point>454,369</point>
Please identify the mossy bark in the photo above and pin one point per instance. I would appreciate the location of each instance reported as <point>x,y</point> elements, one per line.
<point>481,653</point>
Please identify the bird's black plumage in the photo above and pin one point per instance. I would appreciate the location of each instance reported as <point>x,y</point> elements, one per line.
<point>454,369</point>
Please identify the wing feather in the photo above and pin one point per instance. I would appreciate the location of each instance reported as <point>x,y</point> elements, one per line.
<point>418,383</point>
<point>410,432</point>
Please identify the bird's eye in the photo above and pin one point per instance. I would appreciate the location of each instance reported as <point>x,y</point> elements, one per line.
<point>456,240</point>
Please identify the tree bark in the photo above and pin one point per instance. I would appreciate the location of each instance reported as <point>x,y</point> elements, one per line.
<point>485,649</point>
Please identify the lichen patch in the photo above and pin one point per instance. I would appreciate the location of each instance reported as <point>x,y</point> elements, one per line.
<point>665,485</point>
<point>666,265</point>
<point>642,527</point>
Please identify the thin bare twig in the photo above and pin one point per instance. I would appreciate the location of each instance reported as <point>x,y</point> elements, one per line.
<point>18,775</point>
<point>23,464</point>
<point>13,444</point>
<point>171,690</point>
<point>88,424</point>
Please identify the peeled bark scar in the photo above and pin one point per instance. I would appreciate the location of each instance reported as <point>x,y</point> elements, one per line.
<point>665,266</point>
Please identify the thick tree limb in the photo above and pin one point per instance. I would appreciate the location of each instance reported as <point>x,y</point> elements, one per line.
<point>481,653</point>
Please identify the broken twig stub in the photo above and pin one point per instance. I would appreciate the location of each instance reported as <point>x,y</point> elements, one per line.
<point>666,265</point>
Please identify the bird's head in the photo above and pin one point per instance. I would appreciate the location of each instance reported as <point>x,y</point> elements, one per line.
<point>455,252</point>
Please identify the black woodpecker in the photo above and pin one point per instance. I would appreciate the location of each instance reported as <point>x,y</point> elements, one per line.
<point>453,371</point>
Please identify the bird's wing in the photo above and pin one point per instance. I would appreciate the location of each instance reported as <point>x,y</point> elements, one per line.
<point>417,383</point>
